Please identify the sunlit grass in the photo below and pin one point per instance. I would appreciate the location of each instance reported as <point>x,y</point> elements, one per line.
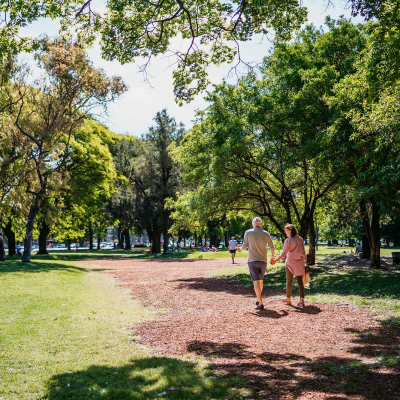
<point>67,333</point>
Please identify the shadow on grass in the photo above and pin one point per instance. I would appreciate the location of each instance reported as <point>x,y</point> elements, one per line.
<point>82,255</point>
<point>373,373</point>
<point>149,378</point>
<point>36,266</point>
<point>368,283</point>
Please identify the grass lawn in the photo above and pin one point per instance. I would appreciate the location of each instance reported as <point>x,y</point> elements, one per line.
<point>330,283</point>
<point>64,335</point>
<point>195,253</point>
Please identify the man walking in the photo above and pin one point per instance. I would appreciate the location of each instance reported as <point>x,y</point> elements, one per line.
<point>232,248</point>
<point>257,240</point>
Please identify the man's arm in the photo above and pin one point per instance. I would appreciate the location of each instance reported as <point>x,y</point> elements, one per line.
<point>245,244</point>
<point>270,244</point>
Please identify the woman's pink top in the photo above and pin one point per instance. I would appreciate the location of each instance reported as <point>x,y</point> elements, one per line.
<point>295,253</point>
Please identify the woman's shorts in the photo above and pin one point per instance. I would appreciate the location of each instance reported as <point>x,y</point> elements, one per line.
<point>232,251</point>
<point>257,270</point>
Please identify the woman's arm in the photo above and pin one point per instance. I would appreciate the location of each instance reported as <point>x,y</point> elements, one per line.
<point>303,250</point>
<point>284,250</point>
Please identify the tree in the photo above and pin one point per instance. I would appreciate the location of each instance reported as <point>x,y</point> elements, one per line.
<point>122,205</point>
<point>261,144</point>
<point>365,131</point>
<point>48,114</point>
<point>88,183</point>
<point>14,156</point>
<point>2,251</point>
<point>157,178</point>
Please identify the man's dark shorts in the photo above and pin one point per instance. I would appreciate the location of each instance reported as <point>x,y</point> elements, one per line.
<point>257,270</point>
<point>232,251</point>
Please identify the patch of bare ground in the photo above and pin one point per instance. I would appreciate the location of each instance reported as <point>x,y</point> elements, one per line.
<point>353,262</point>
<point>323,351</point>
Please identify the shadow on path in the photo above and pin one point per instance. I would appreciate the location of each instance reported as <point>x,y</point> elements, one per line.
<point>213,284</point>
<point>374,375</point>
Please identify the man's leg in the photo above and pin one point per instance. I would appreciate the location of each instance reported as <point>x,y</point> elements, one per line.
<point>258,287</point>
<point>233,257</point>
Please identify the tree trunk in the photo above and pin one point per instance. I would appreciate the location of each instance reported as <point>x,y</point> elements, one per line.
<point>127,236</point>
<point>120,239</point>
<point>10,234</point>
<point>375,242</point>
<point>155,242</point>
<point>166,241</point>
<point>26,256</point>
<point>98,242</point>
<point>69,244</point>
<point>372,232</point>
<point>311,244</point>
<point>365,240</point>
<point>90,236</point>
<point>226,239</point>
<point>44,231</point>
<point>2,251</point>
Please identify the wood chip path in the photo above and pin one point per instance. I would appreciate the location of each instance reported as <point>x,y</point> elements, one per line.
<point>323,351</point>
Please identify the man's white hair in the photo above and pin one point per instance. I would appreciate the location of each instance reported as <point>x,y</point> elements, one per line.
<point>257,221</point>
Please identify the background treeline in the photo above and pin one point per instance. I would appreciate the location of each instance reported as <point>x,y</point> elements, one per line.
<point>67,177</point>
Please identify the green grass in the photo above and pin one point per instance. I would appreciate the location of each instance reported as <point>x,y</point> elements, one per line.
<point>65,334</point>
<point>195,253</point>
<point>377,289</point>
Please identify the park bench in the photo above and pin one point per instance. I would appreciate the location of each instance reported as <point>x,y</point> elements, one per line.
<point>396,257</point>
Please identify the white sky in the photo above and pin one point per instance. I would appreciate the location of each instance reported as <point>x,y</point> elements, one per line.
<point>133,112</point>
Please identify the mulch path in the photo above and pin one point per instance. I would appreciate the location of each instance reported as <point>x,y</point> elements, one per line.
<point>323,351</point>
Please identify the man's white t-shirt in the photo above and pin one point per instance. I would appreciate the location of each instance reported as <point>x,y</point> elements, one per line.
<point>232,244</point>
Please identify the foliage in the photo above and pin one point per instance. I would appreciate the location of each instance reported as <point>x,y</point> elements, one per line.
<point>210,30</point>
<point>157,178</point>
<point>260,146</point>
<point>89,181</point>
<point>46,114</point>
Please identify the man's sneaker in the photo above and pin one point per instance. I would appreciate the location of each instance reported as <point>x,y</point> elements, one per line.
<point>260,307</point>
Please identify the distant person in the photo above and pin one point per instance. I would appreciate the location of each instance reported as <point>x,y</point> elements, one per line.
<point>295,253</point>
<point>232,248</point>
<point>19,250</point>
<point>358,248</point>
<point>256,241</point>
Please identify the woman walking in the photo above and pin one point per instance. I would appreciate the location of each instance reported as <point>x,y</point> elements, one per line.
<point>294,251</point>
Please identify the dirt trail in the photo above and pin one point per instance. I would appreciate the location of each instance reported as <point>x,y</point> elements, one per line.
<point>323,351</point>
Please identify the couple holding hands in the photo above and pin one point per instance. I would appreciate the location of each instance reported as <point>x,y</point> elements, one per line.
<point>257,240</point>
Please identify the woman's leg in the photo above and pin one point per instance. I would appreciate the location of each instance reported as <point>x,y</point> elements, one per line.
<point>301,286</point>
<point>301,291</point>
<point>289,280</point>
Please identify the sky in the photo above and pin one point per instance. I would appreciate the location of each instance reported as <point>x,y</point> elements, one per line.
<point>133,112</point>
